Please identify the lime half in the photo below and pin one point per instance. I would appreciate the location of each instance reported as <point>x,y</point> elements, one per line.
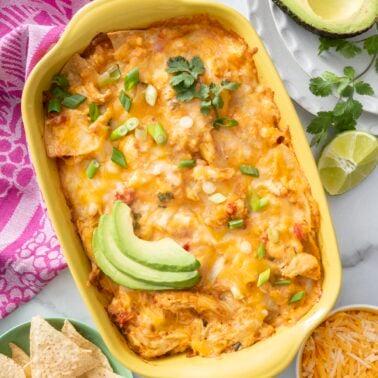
<point>347,160</point>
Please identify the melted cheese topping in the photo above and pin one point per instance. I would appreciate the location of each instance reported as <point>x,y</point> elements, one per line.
<point>345,345</point>
<point>226,311</point>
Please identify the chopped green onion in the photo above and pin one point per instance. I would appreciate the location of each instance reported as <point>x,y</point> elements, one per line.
<point>273,235</point>
<point>217,198</point>
<point>263,277</point>
<point>60,81</point>
<point>53,105</point>
<point>256,203</point>
<point>297,297</point>
<point>125,100</point>
<point>249,170</point>
<point>118,158</point>
<point>261,251</point>
<point>132,123</point>
<point>73,101</point>
<point>59,93</point>
<point>109,76</point>
<point>224,122</point>
<point>150,95</point>
<point>94,111</point>
<point>131,79</point>
<point>186,163</point>
<point>235,223</point>
<point>263,202</point>
<point>92,168</point>
<point>282,283</point>
<point>119,132</point>
<point>156,130</point>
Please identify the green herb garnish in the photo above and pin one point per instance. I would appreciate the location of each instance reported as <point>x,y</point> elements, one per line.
<point>346,112</point>
<point>156,130</point>
<point>94,111</point>
<point>186,163</point>
<point>282,283</point>
<point>125,100</point>
<point>249,170</point>
<point>263,277</point>
<point>110,76</point>
<point>235,223</point>
<point>118,158</point>
<point>261,251</point>
<point>297,297</point>
<point>61,81</point>
<point>54,105</point>
<point>73,101</point>
<point>92,168</point>
<point>119,132</point>
<point>131,79</point>
<point>185,82</point>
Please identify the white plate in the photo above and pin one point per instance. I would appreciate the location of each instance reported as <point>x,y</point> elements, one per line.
<point>303,48</point>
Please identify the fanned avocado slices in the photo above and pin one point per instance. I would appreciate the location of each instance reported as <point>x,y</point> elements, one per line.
<point>117,276</point>
<point>147,271</point>
<point>164,254</point>
<point>336,19</point>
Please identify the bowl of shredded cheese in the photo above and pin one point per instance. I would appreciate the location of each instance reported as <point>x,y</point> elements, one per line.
<point>344,345</point>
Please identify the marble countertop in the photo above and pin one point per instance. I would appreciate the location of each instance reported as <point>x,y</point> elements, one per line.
<point>354,215</point>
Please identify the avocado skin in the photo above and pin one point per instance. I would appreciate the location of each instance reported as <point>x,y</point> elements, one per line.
<point>117,276</point>
<point>314,30</point>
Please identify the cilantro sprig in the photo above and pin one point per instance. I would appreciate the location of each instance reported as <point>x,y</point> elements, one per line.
<point>185,81</point>
<point>185,75</point>
<point>346,112</point>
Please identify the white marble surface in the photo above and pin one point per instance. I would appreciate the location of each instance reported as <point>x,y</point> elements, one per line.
<point>357,232</point>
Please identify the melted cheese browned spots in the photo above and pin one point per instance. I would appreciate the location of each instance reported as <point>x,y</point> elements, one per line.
<point>226,311</point>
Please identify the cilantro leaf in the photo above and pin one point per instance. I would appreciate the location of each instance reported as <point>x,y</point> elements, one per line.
<point>342,85</point>
<point>344,122</point>
<point>224,122</point>
<point>178,64</point>
<point>346,48</point>
<point>186,94</point>
<point>231,86</point>
<point>217,101</point>
<point>321,87</point>
<point>363,88</point>
<point>205,107</point>
<point>204,92</point>
<point>376,65</point>
<point>371,45</point>
<point>350,107</point>
<point>196,67</point>
<point>349,72</point>
<point>346,91</point>
<point>185,78</point>
<point>319,127</point>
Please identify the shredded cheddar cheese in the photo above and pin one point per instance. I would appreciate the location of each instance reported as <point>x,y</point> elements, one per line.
<point>345,345</point>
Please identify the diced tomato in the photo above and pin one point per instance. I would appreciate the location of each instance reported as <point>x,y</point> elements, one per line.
<point>231,208</point>
<point>186,246</point>
<point>298,231</point>
<point>264,239</point>
<point>127,196</point>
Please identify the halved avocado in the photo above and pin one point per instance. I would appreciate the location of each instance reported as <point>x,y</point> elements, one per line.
<point>164,254</point>
<point>140,272</point>
<point>117,276</point>
<point>332,18</point>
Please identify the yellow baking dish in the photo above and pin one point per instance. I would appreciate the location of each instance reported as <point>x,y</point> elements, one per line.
<point>263,359</point>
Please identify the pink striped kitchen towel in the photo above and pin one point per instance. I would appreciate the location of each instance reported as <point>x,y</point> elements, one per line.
<point>29,251</point>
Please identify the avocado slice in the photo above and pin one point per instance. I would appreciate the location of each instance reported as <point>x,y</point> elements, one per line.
<point>132,268</point>
<point>117,276</point>
<point>164,254</point>
<point>335,19</point>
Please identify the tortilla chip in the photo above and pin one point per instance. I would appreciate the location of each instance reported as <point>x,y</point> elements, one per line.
<point>21,358</point>
<point>101,373</point>
<point>9,368</point>
<point>53,355</point>
<point>69,330</point>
